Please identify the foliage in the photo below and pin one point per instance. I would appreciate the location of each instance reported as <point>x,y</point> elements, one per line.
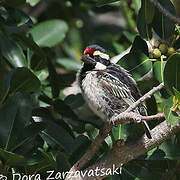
<point>42,127</point>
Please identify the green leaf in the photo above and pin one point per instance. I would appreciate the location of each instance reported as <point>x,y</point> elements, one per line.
<point>38,62</point>
<point>49,33</point>
<point>10,158</point>
<point>105,2</point>
<point>4,83</point>
<point>28,43</point>
<point>119,132</point>
<point>15,3</point>
<point>144,29</point>
<point>12,51</point>
<point>13,117</point>
<point>172,118</point>
<point>137,63</point>
<point>62,161</point>
<point>17,18</point>
<point>148,11</point>
<point>55,133</point>
<point>140,45</point>
<point>172,73</point>
<point>74,101</point>
<point>24,80</point>
<point>171,150</point>
<point>62,108</point>
<point>54,79</point>
<point>158,69</point>
<point>162,25</point>
<point>80,146</point>
<point>177,93</point>
<point>69,64</point>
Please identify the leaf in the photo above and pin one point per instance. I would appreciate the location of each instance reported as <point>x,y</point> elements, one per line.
<point>4,83</point>
<point>177,93</point>
<point>137,63</point>
<point>74,101</point>
<point>24,80</point>
<point>171,150</point>
<point>49,33</point>
<point>17,18</point>
<point>62,108</point>
<point>62,162</point>
<point>140,45</point>
<point>172,118</point>
<point>15,3</point>
<point>10,158</point>
<point>148,11</point>
<point>12,51</point>
<point>80,146</point>
<point>55,133</point>
<point>156,154</point>
<point>29,43</point>
<point>69,64</point>
<point>105,2</point>
<point>13,117</point>
<point>162,25</point>
<point>119,132</point>
<point>172,73</point>
<point>158,69</point>
<point>145,30</point>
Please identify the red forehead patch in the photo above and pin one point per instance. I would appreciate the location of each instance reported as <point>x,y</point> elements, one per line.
<point>89,51</point>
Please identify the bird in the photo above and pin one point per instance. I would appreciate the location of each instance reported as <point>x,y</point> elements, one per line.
<point>107,88</point>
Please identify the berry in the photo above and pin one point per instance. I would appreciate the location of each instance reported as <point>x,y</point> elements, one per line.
<point>171,51</point>
<point>156,53</point>
<point>163,48</point>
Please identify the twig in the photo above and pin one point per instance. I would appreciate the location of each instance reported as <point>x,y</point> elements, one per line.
<point>136,104</point>
<point>119,156</point>
<point>145,97</point>
<point>165,11</point>
<point>93,147</point>
<point>126,117</point>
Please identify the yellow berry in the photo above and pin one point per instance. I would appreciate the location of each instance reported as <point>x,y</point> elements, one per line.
<point>171,51</point>
<point>156,53</point>
<point>163,48</point>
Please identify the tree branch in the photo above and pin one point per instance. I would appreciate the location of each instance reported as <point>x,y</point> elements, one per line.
<point>121,155</point>
<point>165,12</point>
<point>124,117</point>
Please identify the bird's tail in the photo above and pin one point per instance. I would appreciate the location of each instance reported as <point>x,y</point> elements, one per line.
<point>147,129</point>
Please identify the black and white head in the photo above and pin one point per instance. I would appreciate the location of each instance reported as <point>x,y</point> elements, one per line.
<point>95,57</point>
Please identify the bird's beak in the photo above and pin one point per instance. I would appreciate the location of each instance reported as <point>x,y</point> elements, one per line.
<point>88,60</point>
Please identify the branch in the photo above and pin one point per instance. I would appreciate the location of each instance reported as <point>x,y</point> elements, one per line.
<point>121,155</point>
<point>145,97</point>
<point>119,118</point>
<point>165,12</point>
<point>93,147</point>
<point>124,117</point>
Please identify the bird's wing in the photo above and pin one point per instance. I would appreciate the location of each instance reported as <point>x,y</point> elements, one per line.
<point>120,90</point>
<point>117,88</point>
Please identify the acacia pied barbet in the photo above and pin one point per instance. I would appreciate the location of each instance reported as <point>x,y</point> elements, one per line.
<point>106,87</point>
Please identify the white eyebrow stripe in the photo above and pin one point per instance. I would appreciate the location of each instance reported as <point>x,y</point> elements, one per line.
<point>102,55</point>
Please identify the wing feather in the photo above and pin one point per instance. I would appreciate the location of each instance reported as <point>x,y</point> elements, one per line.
<point>117,88</point>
